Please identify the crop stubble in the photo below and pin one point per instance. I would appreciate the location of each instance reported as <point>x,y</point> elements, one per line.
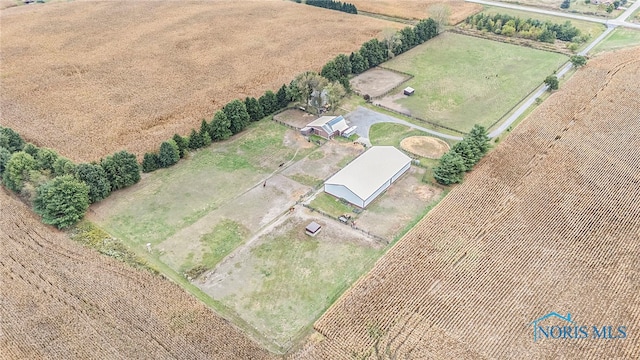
<point>548,221</point>
<point>106,76</point>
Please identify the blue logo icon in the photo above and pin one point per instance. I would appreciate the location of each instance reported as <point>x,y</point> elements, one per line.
<point>570,330</point>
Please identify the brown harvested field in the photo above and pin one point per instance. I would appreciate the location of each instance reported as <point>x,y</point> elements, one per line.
<point>547,222</point>
<point>418,9</point>
<point>63,301</point>
<point>106,76</point>
<point>425,146</point>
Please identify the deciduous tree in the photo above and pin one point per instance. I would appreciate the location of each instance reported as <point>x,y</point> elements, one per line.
<point>17,170</point>
<point>62,201</point>
<point>552,82</point>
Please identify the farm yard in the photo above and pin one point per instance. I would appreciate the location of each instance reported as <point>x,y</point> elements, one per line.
<point>235,251</point>
<point>226,202</point>
<point>548,221</point>
<point>74,88</point>
<point>496,77</point>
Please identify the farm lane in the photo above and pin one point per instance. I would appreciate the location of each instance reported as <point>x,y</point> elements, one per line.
<point>363,118</point>
<point>619,21</point>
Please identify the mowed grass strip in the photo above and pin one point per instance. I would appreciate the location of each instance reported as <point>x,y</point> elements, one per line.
<point>330,205</point>
<point>461,81</point>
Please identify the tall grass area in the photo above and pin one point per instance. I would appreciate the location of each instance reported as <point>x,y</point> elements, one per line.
<point>620,38</point>
<point>461,80</point>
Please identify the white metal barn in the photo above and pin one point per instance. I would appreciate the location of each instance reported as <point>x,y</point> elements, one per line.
<point>368,176</point>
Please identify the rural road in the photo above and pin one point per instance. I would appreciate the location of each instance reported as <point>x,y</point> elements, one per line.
<point>619,21</point>
<point>611,25</point>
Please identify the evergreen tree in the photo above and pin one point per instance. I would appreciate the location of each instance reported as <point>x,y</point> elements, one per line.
<point>220,126</point>
<point>96,179</point>
<point>169,154</point>
<point>450,170</point>
<point>182,143</point>
<point>237,114</point>
<point>45,158</point>
<point>10,140</point>
<point>150,162</point>
<point>62,201</point>
<point>281,97</point>
<point>204,134</point>
<point>31,149</point>
<point>479,139</point>
<point>63,166</point>
<point>269,103</point>
<point>467,153</point>
<point>359,63</point>
<point>5,155</point>
<point>254,109</point>
<point>195,140</point>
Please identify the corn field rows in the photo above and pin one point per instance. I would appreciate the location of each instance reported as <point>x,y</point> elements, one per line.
<point>60,300</point>
<point>549,221</point>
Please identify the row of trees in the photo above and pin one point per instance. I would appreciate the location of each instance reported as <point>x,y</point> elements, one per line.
<point>60,190</point>
<point>234,117</point>
<point>374,52</point>
<point>525,28</point>
<point>462,157</point>
<point>334,5</point>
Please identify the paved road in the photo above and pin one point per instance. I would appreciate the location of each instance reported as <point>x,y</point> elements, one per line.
<point>363,118</point>
<point>619,21</point>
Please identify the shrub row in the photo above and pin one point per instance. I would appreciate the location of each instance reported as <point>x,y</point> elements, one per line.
<point>333,5</point>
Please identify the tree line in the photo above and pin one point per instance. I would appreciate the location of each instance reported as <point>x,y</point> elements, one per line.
<point>333,5</point>
<point>508,25</point>
<point>462,157</point>
<point>61,191</point>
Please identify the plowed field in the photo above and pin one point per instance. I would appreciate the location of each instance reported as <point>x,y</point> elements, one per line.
<point>59,300</point>
<point>112,75</point>
<point>548,222</point>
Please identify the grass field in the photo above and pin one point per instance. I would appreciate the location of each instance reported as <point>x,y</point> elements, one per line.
<point>578,6</point>
<point>89,88</point>
<point>418,9</point>
<point>461,81</point>
<point>620,38</point>
<point>286,279</point>
<point>162,208</point>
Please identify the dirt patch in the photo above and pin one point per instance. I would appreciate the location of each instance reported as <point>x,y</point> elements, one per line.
<point>294,117</point>
<point>389,101</point>
<point>396,207</point>
<point>425,146</point>
<point>377,81</point>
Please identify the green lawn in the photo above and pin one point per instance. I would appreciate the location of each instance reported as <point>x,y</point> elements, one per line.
<point>330,205</point>
<point>461,80</point>
<point>619,38</point>
<point>389,134</point>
